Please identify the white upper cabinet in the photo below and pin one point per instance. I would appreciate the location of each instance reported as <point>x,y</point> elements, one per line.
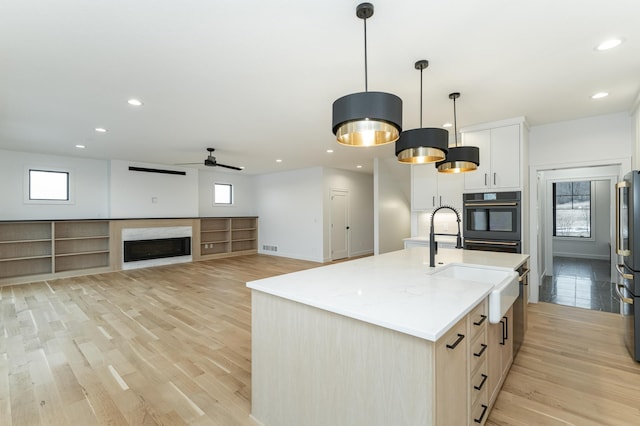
<point>430,189</point>
<point>501,158</point>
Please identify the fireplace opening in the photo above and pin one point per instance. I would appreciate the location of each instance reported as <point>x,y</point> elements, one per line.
<point>135,250</point>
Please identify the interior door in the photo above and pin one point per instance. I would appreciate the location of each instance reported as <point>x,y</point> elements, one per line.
<point>339,224</point>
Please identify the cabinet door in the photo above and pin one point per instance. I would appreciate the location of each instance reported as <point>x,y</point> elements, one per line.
<point>505,157</point>
<point>506,356</point>
<point>424,187</point>
<point>452,380</point>
<point>450,188</point>
<point>494,361</point>
<point>479,180</point>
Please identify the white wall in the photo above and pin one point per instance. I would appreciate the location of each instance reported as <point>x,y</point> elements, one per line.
<point>392,186</point>
<point>89,180</point>
<point>595,141</point>
<point>586,140</point>
<point>290,210</point>
<point>244,203</point>
<point>152,195</point>
<point>361,210</point>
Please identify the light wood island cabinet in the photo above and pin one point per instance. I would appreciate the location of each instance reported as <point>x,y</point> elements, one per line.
<point>314,367</point>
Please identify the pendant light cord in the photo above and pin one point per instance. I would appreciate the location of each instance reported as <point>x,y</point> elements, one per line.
<point>421,97</point>
<point>366,75</point>
<point>455,121</point>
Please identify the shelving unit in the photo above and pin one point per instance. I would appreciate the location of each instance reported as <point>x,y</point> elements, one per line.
<point>81,245</point>
<point>226,236</point>
<point>25,248</point>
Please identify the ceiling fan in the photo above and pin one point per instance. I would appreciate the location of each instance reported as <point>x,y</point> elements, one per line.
<point>211,161</point>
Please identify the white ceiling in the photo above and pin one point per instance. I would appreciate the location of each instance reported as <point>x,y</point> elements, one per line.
<point>256,79</point>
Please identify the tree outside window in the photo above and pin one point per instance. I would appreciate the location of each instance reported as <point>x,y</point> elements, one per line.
<point>572,209</point>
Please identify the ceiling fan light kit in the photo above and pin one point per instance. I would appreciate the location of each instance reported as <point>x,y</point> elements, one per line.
<point>460,159</point>
<point>367,118</point>
<point>423,145</point>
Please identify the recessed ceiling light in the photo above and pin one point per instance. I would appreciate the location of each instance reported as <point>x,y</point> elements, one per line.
<point>447,125</point>
<point>242,167</point>
<point>609,44</point>
<point>358,166</point>
<point>329,151</point>
<point>599,95</point>
<point>101,130</point>
<point>134,102</point>
<point>80,146</point>
<point>278,161</point>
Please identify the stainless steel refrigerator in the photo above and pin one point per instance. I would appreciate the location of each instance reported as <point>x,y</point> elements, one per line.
<point>628,248</point>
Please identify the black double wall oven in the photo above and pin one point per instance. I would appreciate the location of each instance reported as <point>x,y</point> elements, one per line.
<point>492,221</point>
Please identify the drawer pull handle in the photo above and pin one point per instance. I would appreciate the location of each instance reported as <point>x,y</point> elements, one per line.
<point>479,354</point>
<point>482,318</point>
<point>484,411</point>
<point>481,385</point>
<point>457,342</point>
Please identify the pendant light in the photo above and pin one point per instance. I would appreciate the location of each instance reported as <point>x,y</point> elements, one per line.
<point>460,159</point>
<point>367,118</point>
<point>423,145</point>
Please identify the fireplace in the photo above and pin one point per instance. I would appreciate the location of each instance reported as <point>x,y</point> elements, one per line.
<point>135,250</point>
<point>161,245</point>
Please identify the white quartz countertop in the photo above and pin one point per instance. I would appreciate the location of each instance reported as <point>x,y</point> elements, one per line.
<point>393,290</point>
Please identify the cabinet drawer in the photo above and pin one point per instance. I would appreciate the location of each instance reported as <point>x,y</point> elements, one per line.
<point>478,352</point>
<point>478,319</point>
<point>480,410</point>
<point>479,384</point>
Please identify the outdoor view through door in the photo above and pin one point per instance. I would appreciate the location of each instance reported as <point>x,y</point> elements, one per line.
<point>339,224</point>
<point>572,209</point>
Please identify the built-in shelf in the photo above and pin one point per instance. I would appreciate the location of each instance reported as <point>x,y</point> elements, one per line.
<point>25,248</point>
<point>46,247</point>
<point>226,236</point>
<point>81,245</point>
<point>50,248</point>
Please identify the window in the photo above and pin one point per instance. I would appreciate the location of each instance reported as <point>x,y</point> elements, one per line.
<point>222,193</point>
<point>48,185</point>
<point>572,209</point>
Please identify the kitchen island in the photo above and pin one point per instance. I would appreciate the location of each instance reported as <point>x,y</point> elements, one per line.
<point>378,340</point>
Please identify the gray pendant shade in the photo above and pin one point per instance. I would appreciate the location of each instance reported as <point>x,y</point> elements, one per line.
<point>460,159</point>
<point>367,118</point>
<point>423,145</point>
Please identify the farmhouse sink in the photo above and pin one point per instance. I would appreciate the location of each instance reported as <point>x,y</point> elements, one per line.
<point>505,284</point>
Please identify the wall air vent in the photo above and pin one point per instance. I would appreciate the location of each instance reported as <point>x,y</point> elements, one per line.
<point>163,171</point>
<point>269,248</point>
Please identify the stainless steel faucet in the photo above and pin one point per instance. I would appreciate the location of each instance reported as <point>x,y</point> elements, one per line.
<point>433,246</point>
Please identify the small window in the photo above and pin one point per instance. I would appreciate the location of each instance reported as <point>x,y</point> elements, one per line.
<point>222,193</point>
<point>572,209</point>
<point>48,185</point>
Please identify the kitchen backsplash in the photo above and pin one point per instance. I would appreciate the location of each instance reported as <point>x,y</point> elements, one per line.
<point>445,222</point>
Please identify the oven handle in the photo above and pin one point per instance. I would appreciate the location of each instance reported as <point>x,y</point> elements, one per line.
<point>627,300</point>
<point>497,243</point>
<point>619,250</point>
<point>490,204</point>
<point>622,273</point>
<point>524,274</point>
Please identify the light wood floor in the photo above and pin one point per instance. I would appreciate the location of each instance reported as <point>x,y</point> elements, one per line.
<point>171,345</point>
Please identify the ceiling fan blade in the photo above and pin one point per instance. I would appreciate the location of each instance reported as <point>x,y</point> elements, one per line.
<point>228,167</point>
<point>186,164</point>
